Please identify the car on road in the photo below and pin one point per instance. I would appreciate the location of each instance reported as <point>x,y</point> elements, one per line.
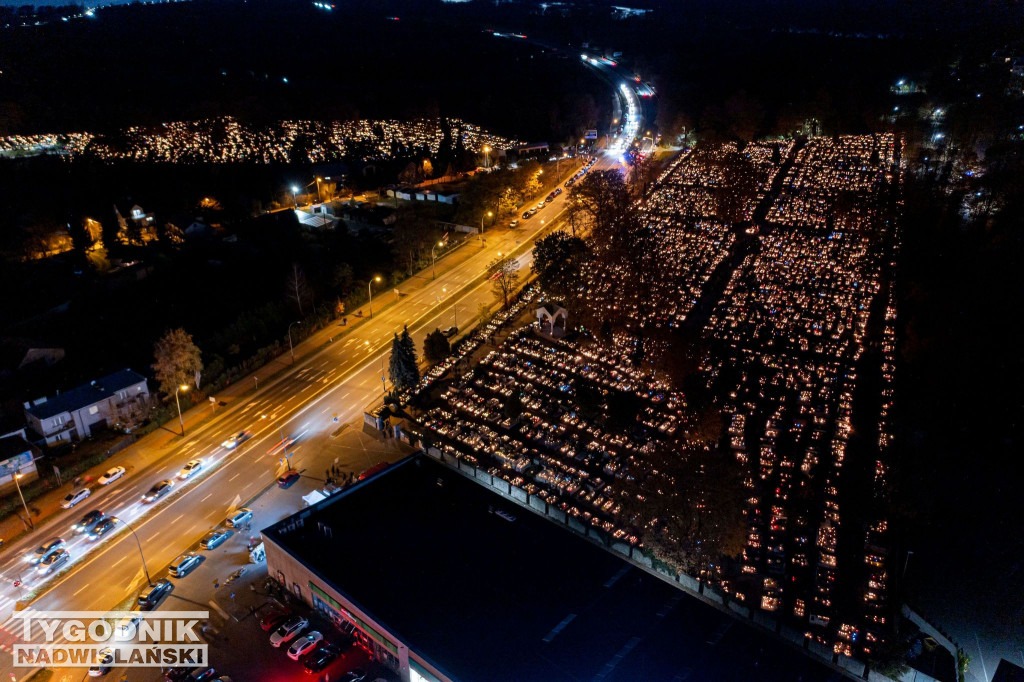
<point>88,522</point>
<point>151,597</point>
<point>105,658</point>
<point>450,332</point>
<point>558,190</point>
<point>241,515</point>
<point>190,469</point>
<point>288,630</point>
<point>513,225</point>
<point>303,645</point>
<point>286,479</point>
<point>73,498</point>
<point>541,205</point>
<point>215,538</point>
<point>549,198</point>
<point>102,528</point>
<point>54,561</point>
<point>233,442</point>
<point>44,550</point>
<point>184,564</point>
<point>528,214</point>
<point>322,656</point>
<point>158,490</point>
<point>111,475</point>
<point>201,674</point>
<point>128,626</point>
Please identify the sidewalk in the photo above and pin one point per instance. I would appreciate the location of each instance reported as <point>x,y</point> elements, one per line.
<point>156,445</point>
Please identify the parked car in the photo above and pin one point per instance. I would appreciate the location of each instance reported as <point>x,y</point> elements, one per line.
<point>558,190</point>
<point>75,497</point>
<point>450,332</point>
<point>354,675</point>
<point>288,630</point>
<point>184,564</point>
<point>528,215</point>
<point>158,490</point>
<point>322,656</point>
<point>201,674</point>
<point>233,442</point>
<point>303,645</point>
<point>88,522</point>
<point>111,475</point>
<point>273,616</point>
<point>44,550</point>
<point>241,515</point>
<point>286,479</point>
<point>513,225</point>
<point>215,538</point>
<point>102,528</point>
<point>54,561</point>
<point>105,658</point>
<point>151,596</point>
<point>190,469</point>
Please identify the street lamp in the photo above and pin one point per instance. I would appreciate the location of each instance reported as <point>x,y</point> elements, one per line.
<point>295,202</point>
<point>290,348</point>
<point>489,214</point>
<point>28,515</point>
<point>141,555</point>
<point>487,157</point>
<point>369,289</point>
<point>183,387</point>
<point>433,257</point>
<point>318,197</point>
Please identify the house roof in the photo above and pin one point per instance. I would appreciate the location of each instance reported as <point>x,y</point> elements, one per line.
<point>486,596</point>
<point>86,394</point>
<point>12,446</point>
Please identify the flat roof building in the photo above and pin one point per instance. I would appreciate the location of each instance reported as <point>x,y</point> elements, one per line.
<point>452,581</point>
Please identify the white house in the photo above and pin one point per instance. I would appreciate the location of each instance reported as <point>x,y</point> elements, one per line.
<point>71,415</point>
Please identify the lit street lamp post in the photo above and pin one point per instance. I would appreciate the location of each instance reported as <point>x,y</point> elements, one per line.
<point>290,348</point>
<point>319,198</point>
<point>369,289</point>
<point>433,257</point>
<point>141,555</point>
<point>177,401</point>
<point>28,515</point>
<point>295,202</point>
<point>489,214</point>
<point>487,156</point>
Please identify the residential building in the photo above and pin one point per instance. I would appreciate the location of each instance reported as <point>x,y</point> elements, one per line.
<point>73,414</point>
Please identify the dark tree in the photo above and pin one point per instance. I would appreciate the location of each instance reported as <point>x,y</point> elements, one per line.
<point>436,347</point>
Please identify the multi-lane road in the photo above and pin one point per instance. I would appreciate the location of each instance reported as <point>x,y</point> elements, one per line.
<point>341,380</point>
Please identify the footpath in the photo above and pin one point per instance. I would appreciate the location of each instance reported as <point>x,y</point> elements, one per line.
<point>155,446</point>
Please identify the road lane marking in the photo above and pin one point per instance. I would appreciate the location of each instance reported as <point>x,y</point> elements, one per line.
<point>80,589</point>
<point>234,477</point>
<point>177,518</point>
<point>206,498</point>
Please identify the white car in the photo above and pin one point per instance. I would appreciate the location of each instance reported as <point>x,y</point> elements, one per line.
<point>193,467</point>
<point>105,658</point>
<point>288,630</point>
<point>233,442</point>
<point>303,645</point>
<point>111,475</point>
<point>75,497</point>
<point>240,516</point>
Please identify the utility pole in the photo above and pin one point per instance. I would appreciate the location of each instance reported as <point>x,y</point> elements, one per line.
<point>28,514</point>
